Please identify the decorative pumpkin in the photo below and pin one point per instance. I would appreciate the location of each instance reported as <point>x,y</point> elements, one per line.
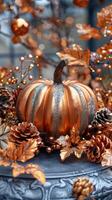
<point>55,107</point>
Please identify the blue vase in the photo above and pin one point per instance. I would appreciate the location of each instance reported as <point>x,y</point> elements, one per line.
<point>60,178</point>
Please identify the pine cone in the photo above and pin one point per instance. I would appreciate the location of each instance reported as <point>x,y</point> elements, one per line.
<point>96,147</point>
<point>23,132</point>
<point>82,188</point>
<point>6,103</point>
<point>102,116</point>
<point>107,130</point>
<point>12,118</point>
<point>4,130</point>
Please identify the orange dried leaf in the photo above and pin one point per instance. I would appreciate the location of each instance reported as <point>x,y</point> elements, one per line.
<point>27,150</point>
<point>69,150</point>
<point>87,32</point>
<point>75,56</point>
<point>4,163</point>
<point>65,153</point>
<point>107,158</point>
<point>32,169</point>
<point>104,17</point>
<point>17,169</point>
<point>74,135</point>
<point>78,152</point>
<point>36,172</point>
<point>10,152</point>
<point>81,3</point>
<point>39,176</point>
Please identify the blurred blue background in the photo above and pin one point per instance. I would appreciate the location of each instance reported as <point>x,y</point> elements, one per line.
<point>10,52</point>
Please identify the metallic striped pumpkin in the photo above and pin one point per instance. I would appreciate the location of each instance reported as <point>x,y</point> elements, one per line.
<point>56,106</point>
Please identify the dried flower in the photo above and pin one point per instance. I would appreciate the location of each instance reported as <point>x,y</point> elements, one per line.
<point>71,145</point>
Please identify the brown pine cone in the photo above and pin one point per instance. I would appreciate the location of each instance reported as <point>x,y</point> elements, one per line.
<point>6,103</point>
<point>96,147</point>
<point>102,116</point>
<point>4,131</point>
<point>12,119</point>
<point>82,188</point>
<point>23,132</point>
<point>107,130</point>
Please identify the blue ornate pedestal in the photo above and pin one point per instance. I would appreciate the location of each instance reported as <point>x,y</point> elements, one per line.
<point>60,177</point>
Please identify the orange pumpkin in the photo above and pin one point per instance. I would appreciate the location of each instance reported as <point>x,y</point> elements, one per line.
<point>55,107</point>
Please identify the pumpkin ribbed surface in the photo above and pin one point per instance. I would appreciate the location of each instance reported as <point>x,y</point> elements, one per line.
<point>56,108</point>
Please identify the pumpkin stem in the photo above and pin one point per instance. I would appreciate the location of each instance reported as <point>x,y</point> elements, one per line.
<point>58,72</point>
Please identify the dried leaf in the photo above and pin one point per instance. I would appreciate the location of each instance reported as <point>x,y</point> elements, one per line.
<point>74,136</point>
<point>25,151</point>
<point>75,56</point>
<point>17,169</point>
<point>104,17</point>
<point>36,172</point>
<point>87,32</point>
<point>78,152</point>
<point>100,101</point>
<point>80,149</point>
<point>28,6</point>
<point>71,144</point>
<point>104,20</point>
<point>107,158</point>
<point>32,169</point>
<point>65,153</point>
<point>81,3</point>
<point>4,163</point>
<point>68,151</point>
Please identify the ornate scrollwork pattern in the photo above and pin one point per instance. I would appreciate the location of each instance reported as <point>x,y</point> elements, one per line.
<point>59,184</point>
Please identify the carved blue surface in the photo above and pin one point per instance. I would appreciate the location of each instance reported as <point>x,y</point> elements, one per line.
<point>60,177</point>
